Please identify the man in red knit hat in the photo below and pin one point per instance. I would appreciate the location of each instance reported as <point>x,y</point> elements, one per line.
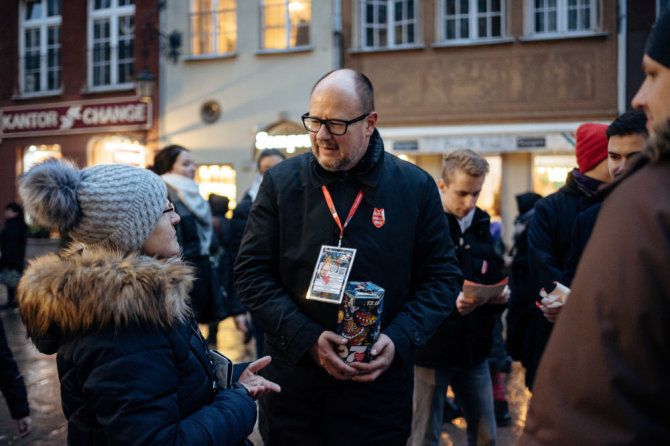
<point>551,228</point>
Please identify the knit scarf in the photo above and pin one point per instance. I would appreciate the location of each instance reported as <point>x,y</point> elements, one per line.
<point>189,193</point>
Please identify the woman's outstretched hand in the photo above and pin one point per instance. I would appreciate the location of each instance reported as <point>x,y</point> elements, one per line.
<point>256,385</point>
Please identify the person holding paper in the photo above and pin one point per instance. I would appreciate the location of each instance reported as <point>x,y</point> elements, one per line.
<point>347,195</point>
<point>456,354</point>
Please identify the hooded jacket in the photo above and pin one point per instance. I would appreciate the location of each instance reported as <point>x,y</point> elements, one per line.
<point>132,366</point>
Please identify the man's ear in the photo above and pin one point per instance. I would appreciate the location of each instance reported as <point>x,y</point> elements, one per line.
<point>441,185</point>
<point>370,122</point>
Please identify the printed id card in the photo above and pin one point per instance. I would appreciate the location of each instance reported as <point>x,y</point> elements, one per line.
<point>330,274</point>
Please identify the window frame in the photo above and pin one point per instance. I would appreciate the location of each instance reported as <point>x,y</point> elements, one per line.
<point>113,13</point>
<point>389,26</point>
<point>562,21</point>
<point>473,16</point>
<point>287,29</point>
<point>215,34</point>
<point>43,24</point>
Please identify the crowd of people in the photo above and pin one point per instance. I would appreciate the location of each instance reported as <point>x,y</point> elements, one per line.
<point>149,259</point>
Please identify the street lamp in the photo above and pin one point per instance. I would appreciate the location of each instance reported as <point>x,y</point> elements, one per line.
<point>145,83</point>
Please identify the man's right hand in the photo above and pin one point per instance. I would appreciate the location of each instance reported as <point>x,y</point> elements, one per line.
<point>324,352</point>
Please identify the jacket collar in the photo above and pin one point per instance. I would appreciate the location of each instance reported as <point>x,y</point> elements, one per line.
<point>367,170</point>
<point>89,288</point>
<point>479,218</point>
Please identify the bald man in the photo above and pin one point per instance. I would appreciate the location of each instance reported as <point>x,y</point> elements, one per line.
<point>386,209</point>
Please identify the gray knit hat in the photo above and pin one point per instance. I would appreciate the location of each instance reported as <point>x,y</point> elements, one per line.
<point>113,205</point>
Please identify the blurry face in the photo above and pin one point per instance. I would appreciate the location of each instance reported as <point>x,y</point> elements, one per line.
<point>336,99</point>
<point>9,213</point>
<point>184,165</point>
<point>268,162</point>
<point>620,150</point>
<point>654,95</point>
<point>459,197</point>
<point>162,242</point>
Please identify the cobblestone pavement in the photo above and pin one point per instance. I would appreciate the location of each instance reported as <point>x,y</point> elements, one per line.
<point>50,428</point>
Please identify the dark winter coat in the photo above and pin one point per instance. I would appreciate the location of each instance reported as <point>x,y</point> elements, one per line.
<point>549,237</point>
<point>13,244</point>
<point>133,368</point>
<point>206,298</point>
<point>409,256</point>
<point>465,341</point>
<point>605,376</point>
<point>581,232</point>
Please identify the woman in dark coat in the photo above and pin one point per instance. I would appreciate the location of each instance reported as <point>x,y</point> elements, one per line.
<point>114,306</point>
<point>13,247</point>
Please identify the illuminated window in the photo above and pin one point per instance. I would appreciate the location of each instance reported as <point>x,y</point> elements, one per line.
<point>285,23</point>
<point>217,179</point>
<point>213,27</point>
<point>472,19</point>
<point>116,150</point>
<point>39,43</point>
<point>388,23</point>
<point>111,40</point>
<point>562,16</point>
<point>36,154</point>
<point>550,172</point>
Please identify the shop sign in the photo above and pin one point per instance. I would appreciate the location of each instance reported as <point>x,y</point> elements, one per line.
<point>405,146</point>
<point>76,117</point>
<point>529,143</point>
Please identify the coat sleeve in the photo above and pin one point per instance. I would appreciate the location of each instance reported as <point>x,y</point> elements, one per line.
<point>542,256</point>
<point>136,402</point>
<point>257,279</point>
<point>436,278</point>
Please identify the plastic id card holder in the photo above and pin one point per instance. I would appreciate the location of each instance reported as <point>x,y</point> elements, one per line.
<point>330,274</point>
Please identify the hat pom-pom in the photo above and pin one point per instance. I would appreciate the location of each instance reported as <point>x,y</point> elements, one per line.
<point>49,194</point>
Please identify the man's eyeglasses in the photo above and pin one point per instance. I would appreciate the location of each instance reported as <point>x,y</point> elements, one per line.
<point>169,207</point>
<point>337,127</point>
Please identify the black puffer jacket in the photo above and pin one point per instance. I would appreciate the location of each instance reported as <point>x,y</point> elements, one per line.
<point>463,341</point>
<point>133,368</point>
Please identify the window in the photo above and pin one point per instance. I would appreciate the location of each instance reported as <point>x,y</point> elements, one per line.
<point>562,16</point>
<point>285,24</point>
<point>213,27</point>
<point>39,46</point>
<point>388,23</point>
<point>472,19</point>
<point>111,41</point>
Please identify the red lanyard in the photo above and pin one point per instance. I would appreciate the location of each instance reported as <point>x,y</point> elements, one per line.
<point>333,211</point>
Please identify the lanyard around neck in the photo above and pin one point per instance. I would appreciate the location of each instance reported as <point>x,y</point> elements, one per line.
<point>333,211</point>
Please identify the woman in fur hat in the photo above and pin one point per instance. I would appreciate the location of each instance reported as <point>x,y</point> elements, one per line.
<point>114,306</point>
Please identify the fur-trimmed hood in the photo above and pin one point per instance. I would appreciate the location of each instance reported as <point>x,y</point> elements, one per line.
<point>87,288</point>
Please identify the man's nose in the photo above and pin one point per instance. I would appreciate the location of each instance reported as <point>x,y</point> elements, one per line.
<point>640,98</point>
<point>323,132</point>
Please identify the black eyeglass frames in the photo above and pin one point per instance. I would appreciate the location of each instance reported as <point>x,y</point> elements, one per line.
<point>169,207</point>
<point>337,127</point>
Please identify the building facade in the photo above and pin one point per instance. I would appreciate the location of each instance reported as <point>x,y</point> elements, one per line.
<point>68,90</point>
<point>243,82</point>
<point>511,79</point>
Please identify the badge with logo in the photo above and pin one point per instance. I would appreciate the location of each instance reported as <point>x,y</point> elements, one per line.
<point>378,218</point>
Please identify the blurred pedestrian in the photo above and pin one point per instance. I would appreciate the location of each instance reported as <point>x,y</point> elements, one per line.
<point>397,227</point>
<point>265,161</point>
<point>176,167</point>
<point>551,229</point>
<point>13,240</point>
<point>522,312</point>
<point>224,267</point>
<point>13,388</point>
<point>133,367</point>
<point>605,377</point>
<point>457,354</point>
